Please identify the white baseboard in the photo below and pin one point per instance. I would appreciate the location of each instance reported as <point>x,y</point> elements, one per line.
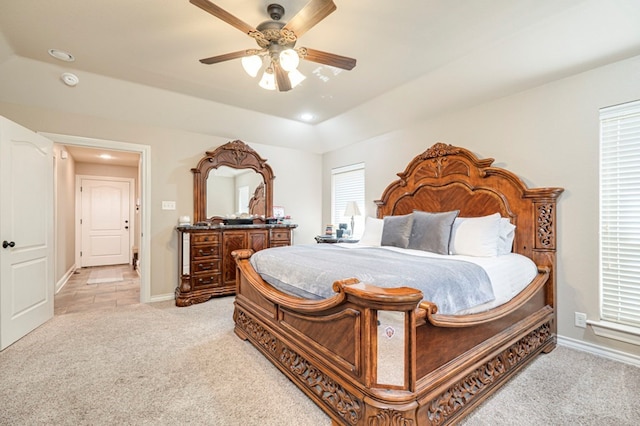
<point>162,298</point>
<point>612,354</point>
<point>64,279</point>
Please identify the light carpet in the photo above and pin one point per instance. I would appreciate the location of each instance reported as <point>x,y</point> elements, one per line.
<point>105,275</point>
<point>158,364</point>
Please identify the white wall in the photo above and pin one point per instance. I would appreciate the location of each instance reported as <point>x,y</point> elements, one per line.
<point>549,136</point>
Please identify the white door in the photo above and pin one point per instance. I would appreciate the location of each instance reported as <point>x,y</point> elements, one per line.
<point>26,231</point>
<point>104,222</point>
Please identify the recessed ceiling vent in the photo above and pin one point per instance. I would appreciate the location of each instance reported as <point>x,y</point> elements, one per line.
<point>61,55</point>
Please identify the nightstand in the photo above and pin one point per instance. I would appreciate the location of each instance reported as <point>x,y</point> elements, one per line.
<point>330,239</point>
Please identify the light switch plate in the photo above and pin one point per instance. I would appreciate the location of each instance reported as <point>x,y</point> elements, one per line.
<point>168,205</point>
<point>581,320</point>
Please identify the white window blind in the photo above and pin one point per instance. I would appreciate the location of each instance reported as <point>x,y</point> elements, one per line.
<point>620,213</point>
<point>347,184</point>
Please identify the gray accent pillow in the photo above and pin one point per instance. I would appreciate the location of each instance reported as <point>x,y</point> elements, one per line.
<point>432,231</point>
<point>396,230</point>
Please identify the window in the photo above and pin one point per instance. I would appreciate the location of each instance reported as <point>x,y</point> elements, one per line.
<point>620,215</point>
<point>243,199</point>
<point>347,184</point>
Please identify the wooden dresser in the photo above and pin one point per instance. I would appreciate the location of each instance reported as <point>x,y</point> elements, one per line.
<point>207,268</point>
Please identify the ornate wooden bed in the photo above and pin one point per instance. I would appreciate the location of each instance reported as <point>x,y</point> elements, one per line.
<point>446,365</point>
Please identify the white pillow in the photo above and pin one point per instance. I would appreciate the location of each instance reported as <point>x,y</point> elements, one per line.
<point>506,235</point>
<point>476,236</point>
<point>372,235</point>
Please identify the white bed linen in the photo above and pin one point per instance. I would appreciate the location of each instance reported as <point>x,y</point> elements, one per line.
<point>509,273</point>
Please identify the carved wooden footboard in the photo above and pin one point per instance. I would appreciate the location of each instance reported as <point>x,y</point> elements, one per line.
<point>329,349</point>
<point>374,356</point>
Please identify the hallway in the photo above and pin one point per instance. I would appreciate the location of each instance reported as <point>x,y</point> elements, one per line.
<point>98,288</point>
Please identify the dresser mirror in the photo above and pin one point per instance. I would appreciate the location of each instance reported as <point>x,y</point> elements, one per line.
<point>230,191</point>
<point>230,180</point>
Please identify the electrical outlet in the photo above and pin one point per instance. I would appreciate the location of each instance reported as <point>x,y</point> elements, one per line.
<point>581,320</point>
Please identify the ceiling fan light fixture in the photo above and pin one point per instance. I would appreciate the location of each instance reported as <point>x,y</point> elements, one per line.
<point>289,59</point>
<point>252,64</point>
<point>276,40</point>
<point>296,77</point>
<point>268,80</point>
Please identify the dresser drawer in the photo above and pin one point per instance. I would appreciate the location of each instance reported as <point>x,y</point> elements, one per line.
<point>280,243</point>
<point>205,238</point>
<point>206,265</point>
<point>204,251</point>
<point>206,280</point>
<point>280,236</point>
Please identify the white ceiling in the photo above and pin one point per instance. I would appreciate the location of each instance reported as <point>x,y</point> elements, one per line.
<point>83,154</point>
<point>500,45</point>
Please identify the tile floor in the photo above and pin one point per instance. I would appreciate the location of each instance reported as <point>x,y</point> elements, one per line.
<point>79,296</point>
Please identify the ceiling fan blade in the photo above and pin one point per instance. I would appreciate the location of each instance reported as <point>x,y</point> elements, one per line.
<point>222,14</point>
<point>282,78</point>
<point>314,12</point>
<point>326,58</point>
<point>226,57</point>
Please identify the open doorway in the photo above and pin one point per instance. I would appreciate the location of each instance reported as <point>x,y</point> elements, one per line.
<point>133,159</point>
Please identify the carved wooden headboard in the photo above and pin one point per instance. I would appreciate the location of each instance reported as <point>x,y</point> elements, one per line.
<point>445,178</point>
<point>257,202</point>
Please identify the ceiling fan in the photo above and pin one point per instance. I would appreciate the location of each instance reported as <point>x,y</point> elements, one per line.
<point>277,40</point>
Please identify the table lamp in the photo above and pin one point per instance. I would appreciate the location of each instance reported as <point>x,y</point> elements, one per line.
<point>350,211</point>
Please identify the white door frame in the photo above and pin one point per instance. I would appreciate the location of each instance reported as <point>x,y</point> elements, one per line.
<point>145,196</point>
<point>79,212</point>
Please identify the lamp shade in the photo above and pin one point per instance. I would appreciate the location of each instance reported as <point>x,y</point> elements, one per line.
<point>296,77</point>
<point>352,209</point>
<point>252,64</point>
<point>268,80</point>
<point>289,59</point>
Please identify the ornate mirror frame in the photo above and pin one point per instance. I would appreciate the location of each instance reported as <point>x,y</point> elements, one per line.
<point>237,155</point>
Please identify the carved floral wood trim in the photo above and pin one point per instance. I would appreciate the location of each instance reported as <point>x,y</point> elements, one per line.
<point>346,405</point>
<point>473,385</point>
<point>388,417</point>
<point>351,409</point>
<point>331,393</point>
<point>439,149</point>
<point>546,225</point>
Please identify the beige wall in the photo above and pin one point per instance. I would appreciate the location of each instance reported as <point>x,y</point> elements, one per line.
<point>107,170</point>
<point>221,195</point>
<point>65,216</point>
<point>549,136</point>
<point>173,154</point>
